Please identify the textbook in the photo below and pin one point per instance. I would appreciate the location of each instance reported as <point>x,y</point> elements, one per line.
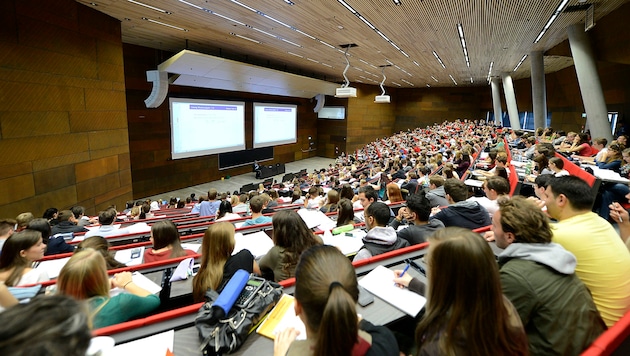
<point>380,282</point>
<point>281,317</point>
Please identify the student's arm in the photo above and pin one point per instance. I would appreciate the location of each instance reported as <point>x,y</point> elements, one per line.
<point>256,268</point>
<point>124,280</point>
<point>6,298</point>
<point>622,218</point>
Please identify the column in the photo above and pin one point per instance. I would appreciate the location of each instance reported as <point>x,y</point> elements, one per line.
<point>539,91</point>
<point>510,101</point>
<point>496,100</point>
<point>590,86</point>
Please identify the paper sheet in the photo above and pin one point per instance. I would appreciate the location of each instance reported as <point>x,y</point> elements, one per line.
<point>125,256</point>
<point>348,245</point>
<point>258,243</point>
<point>53,267</point>
<point>141,281</point>
<point>157,345</point>
<point>380,282</point>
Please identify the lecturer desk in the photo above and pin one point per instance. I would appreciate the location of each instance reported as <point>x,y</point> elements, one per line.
<point>187,340</point>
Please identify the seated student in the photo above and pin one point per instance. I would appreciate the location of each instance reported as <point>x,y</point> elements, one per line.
<point>326,293</point>
<point>465,287</point>
<point>436,193</point>
<point>85,277</point>
<point>581,146</point>
<point>459,212</point>
<point>613,158</point>
<point>101,245</point>
<point>380,238</point>
<point>166,243</point>
<point>538,277</point>
<point>48,325</point>
<point>22,220</point>
<point>494,187</point>
<point>225,212</point>
<point>242,206</point>
<point>345,213</point>
<point>291,237</point>
<point>54,244</point>
<point>218,264</point>
<point>67,224</point>
<point>257,204</point>
<point>209,207</point>
<point>18,254</point>
<point>6,229</point>
<point>51,215</point>
<point>79,214</point>
<point>332,198</point>
<point>106,218</point>
<point>313,199</point>
<point>416,212</point>
<point>556,165</point>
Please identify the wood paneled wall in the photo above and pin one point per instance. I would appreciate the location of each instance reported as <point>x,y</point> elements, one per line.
<point>63,124</point>
<point>154,171</point>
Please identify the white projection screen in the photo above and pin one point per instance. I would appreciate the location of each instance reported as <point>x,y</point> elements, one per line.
<point>274,124</point>
<point>203,127</point>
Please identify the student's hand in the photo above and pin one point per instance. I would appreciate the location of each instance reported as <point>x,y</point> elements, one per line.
<point>283,341</point>
<point>489,236</point>
<point>402,281</point>
<point>121,279</point>
<point>618,213</point>
<point>435,210</point>
<point>539,202</point>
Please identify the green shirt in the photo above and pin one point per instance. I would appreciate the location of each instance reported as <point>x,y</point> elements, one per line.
<point>121,308</point>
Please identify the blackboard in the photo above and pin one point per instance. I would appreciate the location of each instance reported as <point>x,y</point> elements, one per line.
<point>244,157</point>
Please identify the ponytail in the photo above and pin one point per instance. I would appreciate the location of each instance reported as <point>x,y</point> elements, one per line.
<point>338,328</point>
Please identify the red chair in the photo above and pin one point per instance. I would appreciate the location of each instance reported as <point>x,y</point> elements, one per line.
<point>614,341</point>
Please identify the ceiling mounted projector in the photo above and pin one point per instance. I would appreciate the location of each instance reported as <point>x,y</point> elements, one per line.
<point>382,99</point>
<point>346,92</point>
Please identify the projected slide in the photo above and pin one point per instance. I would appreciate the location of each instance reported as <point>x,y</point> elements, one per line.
<point>203,127</point>
<point>274,124</point>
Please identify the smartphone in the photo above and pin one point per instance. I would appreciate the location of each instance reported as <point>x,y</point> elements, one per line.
<point>365,297</point>
<point>135,253</point>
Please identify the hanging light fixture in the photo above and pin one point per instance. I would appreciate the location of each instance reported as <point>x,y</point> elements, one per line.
<point>383,99</point>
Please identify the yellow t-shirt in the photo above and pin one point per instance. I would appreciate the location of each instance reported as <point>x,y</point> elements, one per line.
<point>603,262</point>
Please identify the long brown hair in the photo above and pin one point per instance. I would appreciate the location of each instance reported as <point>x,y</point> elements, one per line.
<point>165,234</point>
<point>10,258</point>
<point>84,276</point>
<point>101,245</point>
<point>326,287</point>
<point>291,233</point>
<point>393,193</point>
<point>217,246</point>
<point>345,212</point>
<point>465,299</point>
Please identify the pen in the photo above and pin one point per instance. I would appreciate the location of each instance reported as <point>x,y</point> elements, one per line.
<point>404,270</point>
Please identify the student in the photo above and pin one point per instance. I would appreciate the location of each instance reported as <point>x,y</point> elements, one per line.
<point>380,238</point>
<point>291,237</point>
<point>6,229</point>
<point>538,277</point>
<point>209,207</point>
<point>416,212</point>
<point>85,277</point>
<point>332,198</point>
<point>225,212</point>
<point>101,245</point>
<point>54,244</point>
<point>18,254</point>
<point>107,218</point>
<point>48,325</point>
<point>345,213</point>
<point>326,293</point>
<point>466,312</point>
<point>603,262</point>
<point>218,264</point>
<point>462,213</point>
<point>556,165</point>
<point>257,204</point>
<point>166,243</point>
<point>67,224</point>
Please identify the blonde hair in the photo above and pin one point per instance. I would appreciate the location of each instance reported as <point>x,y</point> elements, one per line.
<point>84,276</point>
<point>217,247</point>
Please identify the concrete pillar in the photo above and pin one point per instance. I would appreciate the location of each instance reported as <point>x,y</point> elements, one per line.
<point>539,91</point>
<point>496,100</point>
<point>510,101</point>
<point>590,86</point>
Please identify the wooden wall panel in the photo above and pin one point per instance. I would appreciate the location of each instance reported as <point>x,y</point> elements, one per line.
<point>63,120</point>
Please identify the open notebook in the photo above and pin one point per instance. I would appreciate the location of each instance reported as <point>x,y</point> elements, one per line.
<point>380,282</point>
<point>281,317</point>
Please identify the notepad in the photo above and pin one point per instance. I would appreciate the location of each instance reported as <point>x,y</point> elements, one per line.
<point>348,245</point>
<point>53,267</point>
<point>141,281</point>
<point>281,317</point>
<point>380,282</point>
<point>258,243</point>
